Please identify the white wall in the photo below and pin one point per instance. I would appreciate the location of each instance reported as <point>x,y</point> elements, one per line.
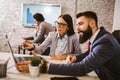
<point>116,21</point>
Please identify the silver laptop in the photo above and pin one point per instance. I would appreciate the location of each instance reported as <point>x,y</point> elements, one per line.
<point>18,58</point>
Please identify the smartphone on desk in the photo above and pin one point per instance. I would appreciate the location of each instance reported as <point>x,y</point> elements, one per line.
<point>64,78</point>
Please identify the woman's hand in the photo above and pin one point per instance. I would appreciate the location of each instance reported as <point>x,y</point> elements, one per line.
<point>28,45</point>
<point>29,41</point>
<point>23,66</point>
<point>70,59</point>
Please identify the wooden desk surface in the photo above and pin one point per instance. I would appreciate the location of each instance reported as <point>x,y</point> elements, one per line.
<point>13,74</point>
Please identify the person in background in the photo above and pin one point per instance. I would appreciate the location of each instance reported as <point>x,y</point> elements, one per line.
<point>42,29</point>
<point>41,32</point>
<point>62,42</point>
<point>103,57</point>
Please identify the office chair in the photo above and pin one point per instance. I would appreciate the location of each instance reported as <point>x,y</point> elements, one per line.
<point>116,34</point>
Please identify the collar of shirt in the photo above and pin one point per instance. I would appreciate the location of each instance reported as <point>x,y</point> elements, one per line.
<point>94,36</point>
<point>65,36</point>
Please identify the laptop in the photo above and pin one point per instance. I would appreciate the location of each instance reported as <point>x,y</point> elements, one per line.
<point>17,57</point>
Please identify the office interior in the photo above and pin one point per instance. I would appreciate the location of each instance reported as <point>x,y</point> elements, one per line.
<point>11,17</point>
<point>11,14</point>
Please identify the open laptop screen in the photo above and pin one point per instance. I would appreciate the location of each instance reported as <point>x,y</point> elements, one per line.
<point>16,59</point>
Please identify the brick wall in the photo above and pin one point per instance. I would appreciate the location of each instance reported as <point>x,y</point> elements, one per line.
<point>10,14</point>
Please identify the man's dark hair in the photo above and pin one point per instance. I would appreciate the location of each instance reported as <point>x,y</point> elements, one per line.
<point>69,21</point>
<point>88,14</point>
<point>38,17</point>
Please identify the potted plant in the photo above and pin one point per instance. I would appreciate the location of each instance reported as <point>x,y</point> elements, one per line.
<point>35,60</point>
<point>34,66</point>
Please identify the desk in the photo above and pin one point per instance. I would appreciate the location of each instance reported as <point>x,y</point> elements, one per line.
<point>13,74</point>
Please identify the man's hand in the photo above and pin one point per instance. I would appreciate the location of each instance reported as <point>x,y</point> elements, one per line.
<point>28,38</point>
<point>24,38</point>
<point>70,59</point>
<point>23,66</point>
<point>58,57</point>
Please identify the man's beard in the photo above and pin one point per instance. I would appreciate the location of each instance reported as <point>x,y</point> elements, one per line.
<point>86,35</point>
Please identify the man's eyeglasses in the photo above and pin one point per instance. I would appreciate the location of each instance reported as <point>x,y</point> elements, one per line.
<point>60,24</point>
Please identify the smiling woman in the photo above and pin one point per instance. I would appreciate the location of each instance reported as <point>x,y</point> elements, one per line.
<point>63,42</point>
